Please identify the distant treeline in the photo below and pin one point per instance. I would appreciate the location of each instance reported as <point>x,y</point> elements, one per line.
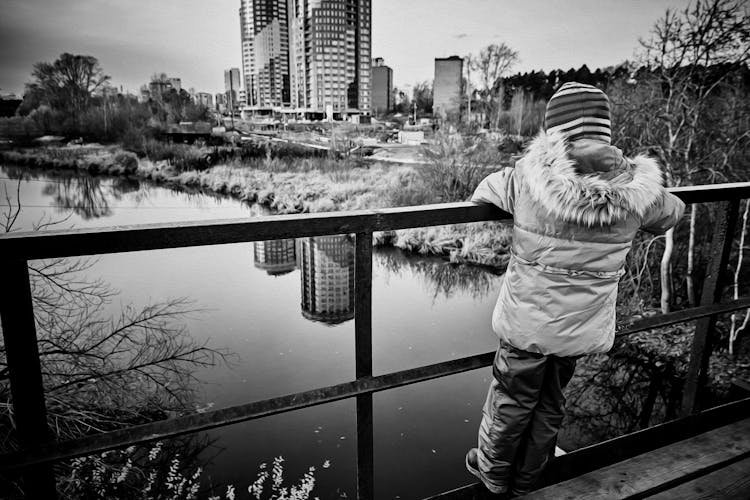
<point>539,85</point>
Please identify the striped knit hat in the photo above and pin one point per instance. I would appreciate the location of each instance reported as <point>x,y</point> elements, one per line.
<point>579,110</point>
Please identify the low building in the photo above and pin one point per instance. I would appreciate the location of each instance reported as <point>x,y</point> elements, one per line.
<point>221,102</point>
<point>204,99</point>
<point>411,137</point>
<point>176,83</point>
<point>9,103</point>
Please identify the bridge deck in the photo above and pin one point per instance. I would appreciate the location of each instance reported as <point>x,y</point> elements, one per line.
<point>705,455</point>
<point>715,464</point>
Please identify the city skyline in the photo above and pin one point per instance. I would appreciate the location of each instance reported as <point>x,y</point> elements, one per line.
<point>198,41</point>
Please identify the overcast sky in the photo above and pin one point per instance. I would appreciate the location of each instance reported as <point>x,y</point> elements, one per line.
<point>197,39</point>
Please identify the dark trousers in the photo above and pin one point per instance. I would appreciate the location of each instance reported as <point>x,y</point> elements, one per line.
<point>521,417</point>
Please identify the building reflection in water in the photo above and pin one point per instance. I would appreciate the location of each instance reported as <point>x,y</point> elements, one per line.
<point>327,278</point>
<point>275,257</point>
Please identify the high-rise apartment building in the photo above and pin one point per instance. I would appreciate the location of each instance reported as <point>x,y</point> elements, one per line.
<point>311,55</point>
<point>232,87</point>
<point>382,87</point>
<point>331,48</point>
<point>447,87</point>
<point>264,26</point>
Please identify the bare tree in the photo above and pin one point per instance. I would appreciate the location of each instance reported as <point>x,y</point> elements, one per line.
<point>68,83</point>
<point>688,61</point>
<point>490,65</point>
<point>493,62</point>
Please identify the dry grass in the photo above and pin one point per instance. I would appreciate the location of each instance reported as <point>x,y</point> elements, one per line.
<point>316,185</point>
<point>485,243</point>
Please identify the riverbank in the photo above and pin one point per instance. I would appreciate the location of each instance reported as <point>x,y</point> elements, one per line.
<point>315,185</point>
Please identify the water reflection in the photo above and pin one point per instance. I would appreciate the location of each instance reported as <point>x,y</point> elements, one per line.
<point>93,197</point>
<point>83,195</point>
<point>441,278</point>
<point>327,278</point>
<point>630,388</point>
<point>127,185</point>
<point>275,257</point>
<point>327,283</point>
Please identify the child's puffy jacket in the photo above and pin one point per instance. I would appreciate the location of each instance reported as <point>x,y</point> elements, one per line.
<point>576,209</point>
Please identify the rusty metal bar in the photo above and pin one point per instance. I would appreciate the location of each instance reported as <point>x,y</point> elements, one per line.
<point>165,429</point>
<point>96,241</point>
<point>713,286</point>
<point>25,375</point>
<point>673,318</point>
<point>709,193</point>
<point>363,305</point>
<point>363,364</point>
<point>196,422</point>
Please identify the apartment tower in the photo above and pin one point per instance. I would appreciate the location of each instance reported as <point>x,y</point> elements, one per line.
<point>331,56</point>
<point>232,87</point>
<point>382,87</point>
<point>264,27</point>
<point>447,87</point>
<point>309,55</point>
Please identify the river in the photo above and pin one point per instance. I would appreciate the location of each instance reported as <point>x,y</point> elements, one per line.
<point>285,310</point>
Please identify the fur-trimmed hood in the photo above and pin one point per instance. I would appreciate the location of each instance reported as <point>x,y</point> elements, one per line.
<point>602,197</point>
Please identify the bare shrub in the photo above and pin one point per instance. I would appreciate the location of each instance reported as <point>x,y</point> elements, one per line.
<point>456,165</point>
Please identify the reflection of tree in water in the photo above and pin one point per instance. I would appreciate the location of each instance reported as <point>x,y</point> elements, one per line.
<point>440,277</point>
<point>84,195</point>
<point>103,371</point>
<point>635,385</point>
<point>327,278</point>
<point>128,186</point>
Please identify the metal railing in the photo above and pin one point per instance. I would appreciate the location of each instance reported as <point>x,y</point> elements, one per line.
<point>38,448</point>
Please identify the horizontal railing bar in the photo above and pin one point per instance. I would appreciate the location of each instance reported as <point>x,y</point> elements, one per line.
<point>116,239</point>
<point>163,429</point>
<point>218,418</point>
<point>96,241</point>
<point>673,318</point>
<point>708,193</point>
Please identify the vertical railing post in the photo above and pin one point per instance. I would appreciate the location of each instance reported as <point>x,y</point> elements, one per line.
<point>363,363</point>
<point>713,286</point>
<point>25,375</point>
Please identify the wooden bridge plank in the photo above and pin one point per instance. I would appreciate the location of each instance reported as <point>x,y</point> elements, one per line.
<point>596,456</point>
<point>643,475</point>
<point>729,483</point>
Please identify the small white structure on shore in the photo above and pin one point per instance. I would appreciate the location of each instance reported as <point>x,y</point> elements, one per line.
<point>411,137</point>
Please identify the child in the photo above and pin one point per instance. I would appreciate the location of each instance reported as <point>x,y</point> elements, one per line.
<point>577,204</point>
